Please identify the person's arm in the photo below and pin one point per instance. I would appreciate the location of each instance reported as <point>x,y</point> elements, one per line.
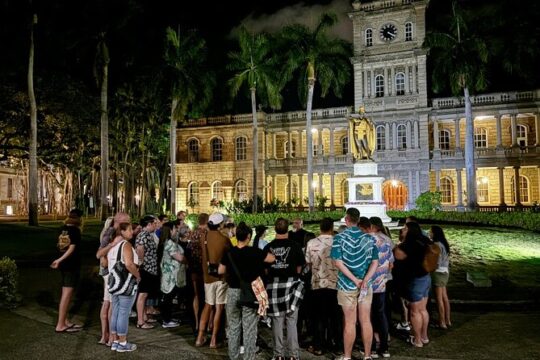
<point>67,254</point>
<point>103,251</point>
<point>345,270</point>
<point>399,254</point>
<point>269,258</point>
<point>139,249</point>
<point>371,270</point>
<point>222,269</point>
<point>127,252</point>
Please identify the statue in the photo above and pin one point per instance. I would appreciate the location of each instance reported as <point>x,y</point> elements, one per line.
<point>361,135</point>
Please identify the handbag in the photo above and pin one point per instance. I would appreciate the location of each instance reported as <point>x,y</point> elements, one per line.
<point>121,281</point>
<point>247,296</point>
<point>212,268</point>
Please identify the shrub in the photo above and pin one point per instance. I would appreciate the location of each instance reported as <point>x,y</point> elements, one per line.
<point>270,218</point>
<point>8,283</point>
<point>429,201</point>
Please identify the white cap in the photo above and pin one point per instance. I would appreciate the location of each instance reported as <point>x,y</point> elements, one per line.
<point>215,219</point>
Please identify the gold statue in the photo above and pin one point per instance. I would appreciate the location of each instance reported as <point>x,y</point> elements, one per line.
<point>361,135</point>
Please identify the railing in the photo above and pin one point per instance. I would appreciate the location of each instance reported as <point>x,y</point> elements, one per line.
<point>505,208</point>
<point>490,152</point>
<point>315,114</point>
<point>383,4</point>
<point>487,99</point>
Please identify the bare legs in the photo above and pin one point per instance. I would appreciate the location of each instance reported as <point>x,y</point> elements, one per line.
<point>105,315</point>
<point>141,311</point>
<point>205,316</point>
<point>419,321</point>
<point>364,317</point>
<point>443,305</point>
<point>67,293</point>
<point>349,329</point>
<point>196,303</point>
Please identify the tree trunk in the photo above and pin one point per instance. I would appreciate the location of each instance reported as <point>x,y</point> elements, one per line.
<point>104,143</point>
<point>309,145</point>
<point>172,140</point>
<point>470,167</point>
<point>255,149</point>
<point>32,171</point>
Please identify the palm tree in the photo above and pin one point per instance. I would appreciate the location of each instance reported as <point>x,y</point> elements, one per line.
<point>255,66</point>
<point>192,85</point>
<point>461,58</point>
<point>101,73</point>
<point>317,57</point>
<point>32,167</point>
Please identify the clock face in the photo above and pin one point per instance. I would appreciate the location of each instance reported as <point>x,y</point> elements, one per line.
<point>388,32</point>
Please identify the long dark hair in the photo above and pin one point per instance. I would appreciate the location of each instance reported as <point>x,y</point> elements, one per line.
<point>259,231</point>
<point>414,233</point>
<point>438,236</point>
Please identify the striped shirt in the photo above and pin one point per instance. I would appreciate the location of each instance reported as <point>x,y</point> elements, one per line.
<point>357,250</point>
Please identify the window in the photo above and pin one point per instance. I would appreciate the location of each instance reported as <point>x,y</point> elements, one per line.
<point>444,140</point>
<point>379,86</point>
<point>193,150</point>
<point>286,149</point>
<point>446,190</point>
<point>345,145</point>
<point>315,145</point>
<point>9,188</point>
<point>241,148</point>
<point>401,136</point>
<point>482,189</point>
<point>480,137</point>
<point>408,31</point>
<point>217,191</point>
<point>381,145</point>
<point>193,194</point>
<point>400,83</point>
<point>345,191</point>
<point>522,135</point>
<point>217,149</point>
<point>240,190</point>
<point>369,37</point>
<point>523,189</point>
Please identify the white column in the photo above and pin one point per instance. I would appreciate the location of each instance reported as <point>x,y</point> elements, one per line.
<point>437,180</point>
<point>517,190</point>
<point>416,134</point>
<point>274,185</point>
<point>299,148</point>
<point>414,80</point>
<point>301,188</point>
<point>411,192</point>
<point>537,128</point>
<point>408,133</point>
<point>274,145</point>
<point>387,136</point>
<point>393,75</point>
<point>457,130</point>
<point>332,151</point>
<point>407,88</point>
<point>289,144</point>
<point>435,135</point>
<point>386,82</point>
<point>365,84</point>
<point>320,145</point>
<point>394,136</point>
<point>321,178</point>
<point>417,182</point>
<point>513,129</point>
<point>459,188</point>
<point>332,189</point>
<point>372,83</point>
<point>498,122</point>
<point>501,186</point>
<point>289,187</point>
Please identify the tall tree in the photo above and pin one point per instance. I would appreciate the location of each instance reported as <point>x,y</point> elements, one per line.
<point>32,171</point>
<point>191,88</point>
<point>316,57</point>
<point>255,66</point>
<point>461,59</point>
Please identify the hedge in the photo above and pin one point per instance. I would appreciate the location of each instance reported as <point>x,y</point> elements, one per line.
<point>8,283</point>
<point>524,220</point>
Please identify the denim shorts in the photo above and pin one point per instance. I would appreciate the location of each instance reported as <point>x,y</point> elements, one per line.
<point>418,288</point>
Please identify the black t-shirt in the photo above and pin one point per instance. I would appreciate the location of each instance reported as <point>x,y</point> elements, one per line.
<point>288,255</point>
<point>248,260</point>
<point>73,261</point>
<point>415,250</point>
<point>298,236</point>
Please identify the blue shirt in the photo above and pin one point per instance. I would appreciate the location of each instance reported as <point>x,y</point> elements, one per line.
<point>357,250</point>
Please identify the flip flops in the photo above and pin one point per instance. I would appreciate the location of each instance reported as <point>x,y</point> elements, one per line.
<point>145,326</point>
<point>70,329</point>
<point>411,340</point>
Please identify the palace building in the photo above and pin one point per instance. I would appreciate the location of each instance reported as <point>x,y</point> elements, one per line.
<point>419,141</point>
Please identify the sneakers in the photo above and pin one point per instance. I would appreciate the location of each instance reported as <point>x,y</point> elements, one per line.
<point>385,354</point>
<point>403,326</point>
<point>170,324</point>
<point>374,355</point>
<point>126,347</point>
<point>341,357</point>
<point>132,314</point>
<point>242,350</point>
<point>114,346</point>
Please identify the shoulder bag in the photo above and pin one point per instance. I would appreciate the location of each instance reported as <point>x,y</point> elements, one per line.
<point>247,296</point>
<point>212,268</point>
<point>121,281</point>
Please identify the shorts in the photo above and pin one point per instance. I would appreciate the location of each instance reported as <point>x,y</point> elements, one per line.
<point>418,288</point>
<point>351,298</point>
<point>106,293</point>
<point>439,279</point>
<point>149,284</point>
<point>70,278</point>
<point>215,293</point>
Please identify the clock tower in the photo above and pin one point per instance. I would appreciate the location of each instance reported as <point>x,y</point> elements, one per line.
<point>389,61</point>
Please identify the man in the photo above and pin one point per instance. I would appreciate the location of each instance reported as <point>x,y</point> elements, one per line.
<point>285,290</point>
<point>213,245</point>
<point>356,258</point>
<point>298,233</point>
<point>183,228</point>
<point>323,285</point>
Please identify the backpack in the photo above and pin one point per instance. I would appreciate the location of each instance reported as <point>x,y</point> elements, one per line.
<point>431,257</point>
<point>63,241</point>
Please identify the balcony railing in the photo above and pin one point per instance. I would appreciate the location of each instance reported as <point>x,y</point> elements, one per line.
<point>490,152</point>
<point>339,112</point>
<point>487,99</point>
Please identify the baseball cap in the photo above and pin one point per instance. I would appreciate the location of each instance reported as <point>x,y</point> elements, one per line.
<point>215,219</point>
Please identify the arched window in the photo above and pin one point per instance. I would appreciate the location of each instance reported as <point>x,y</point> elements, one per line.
<point>482,189</point>
<point>286,149</point>
<point>345,145</point>
<point>381,140</point>
<point>241,148</point>
<point>400,83</point>
<point>193,150</point>
<point>216,146</point>
<point>193,193</point>
<point>523,189</point>
<point>480,137</point>
<point>444,140</point>
<point>241,191</point>
<point>401,136</point>
<point>369,37</point>
<point>379,85</point>
<point>522,135</point>
<point>408,31</point>
<point>217,191</point>
<point>344,191</point>
<point>447,190</point>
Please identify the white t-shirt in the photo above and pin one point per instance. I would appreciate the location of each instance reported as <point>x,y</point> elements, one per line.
<point>113,253</point>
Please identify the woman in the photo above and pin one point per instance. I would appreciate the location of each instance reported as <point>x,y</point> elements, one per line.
<point>242,263</point>
<point>105,238</point>
<point>417,281</point>
<point>440,276</point>
<point>194,255</point>
<point>260,233</point>
<point>121,304</point>
<point>172,257</point>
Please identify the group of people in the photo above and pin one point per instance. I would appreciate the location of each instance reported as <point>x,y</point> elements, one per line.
<point>320,288</point>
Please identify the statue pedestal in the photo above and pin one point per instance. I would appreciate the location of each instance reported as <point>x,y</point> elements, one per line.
<point>365,191</point>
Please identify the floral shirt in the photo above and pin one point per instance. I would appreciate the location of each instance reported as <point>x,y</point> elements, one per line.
<point>324,272</point>
<point>386,258</point>
<point>170,266</point>
<point>150,259</point>
<point>195,250</point>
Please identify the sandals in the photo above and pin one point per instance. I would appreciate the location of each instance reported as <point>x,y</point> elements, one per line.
<point>145,326</point>
<point>70,329</point>
<point>411,340</point>
<point>313,350</point>
<point>202,343</point>
<point>150,321</point>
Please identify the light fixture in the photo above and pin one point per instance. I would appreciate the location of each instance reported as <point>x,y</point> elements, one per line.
<point>313,131</point>
<point>394,183</point>
<point>314,184</point>
<point>9,210</point>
